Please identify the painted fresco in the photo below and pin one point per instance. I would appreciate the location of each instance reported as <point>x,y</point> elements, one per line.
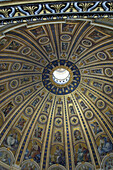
<point>50,125</point>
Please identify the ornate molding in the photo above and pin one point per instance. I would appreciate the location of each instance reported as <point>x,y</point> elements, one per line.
<point>54,10</point>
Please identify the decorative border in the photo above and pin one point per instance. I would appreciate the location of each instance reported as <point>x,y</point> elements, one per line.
<point>104,160</point>
<point>54,10</point>
<point>56,166</point>
<point>61,85</point>
<point>55,88</point>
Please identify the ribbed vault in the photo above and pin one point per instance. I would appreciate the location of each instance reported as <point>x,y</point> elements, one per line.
<point>45,125</point>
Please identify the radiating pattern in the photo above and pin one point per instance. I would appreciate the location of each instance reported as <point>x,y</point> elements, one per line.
<point>45,126</point>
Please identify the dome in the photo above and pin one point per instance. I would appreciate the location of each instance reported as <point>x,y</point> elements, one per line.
<point>56,92</point>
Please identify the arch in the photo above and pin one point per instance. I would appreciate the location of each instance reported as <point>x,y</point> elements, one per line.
<point>85,166</point>
<point>29,163</point>
<point>107,162</point>
<point>56,167</point>
<point>6,156</point>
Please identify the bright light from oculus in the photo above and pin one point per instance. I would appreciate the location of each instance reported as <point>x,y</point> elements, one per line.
<point>61,76</point>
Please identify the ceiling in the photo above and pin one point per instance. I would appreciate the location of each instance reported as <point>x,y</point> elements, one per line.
<point>45,125</point>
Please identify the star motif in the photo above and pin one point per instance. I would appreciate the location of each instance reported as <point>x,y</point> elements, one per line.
<point>74,120</point>
<point>58,121</point>
<point>42,118</point>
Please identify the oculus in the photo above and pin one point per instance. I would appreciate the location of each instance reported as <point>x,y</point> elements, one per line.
<point>61,76</point>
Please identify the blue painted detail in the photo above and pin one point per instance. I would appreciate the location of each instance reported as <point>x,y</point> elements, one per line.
<point>94,6</point>
<point>19,91</point>
<point>31,126</point>
<point>94,154</point>
<point>18,112</point>
<point>45,154</point>
<point>68,142</point>
<point>107,99</point>
<point>61,90</point>
<point>39,9</point>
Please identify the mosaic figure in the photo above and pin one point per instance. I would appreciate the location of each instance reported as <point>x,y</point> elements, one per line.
<point>96,84</point>
<point>8,108</point>
<point>67,27</point>
<point>38,31</point>
<point>18,99</point>
<point>5,157</point>
<point>92,96</point>
<point>57,137</point>
<point>12,140</point>
<point>35,102</point>
<point>21,123</point>
<point>56,168</point>
<point>27,92</point>
<point>43,119</point>
<point>83,105</point>
<point>26,67</point>
<point>14,46</point>
<point>85,166</point>
<point>4,66</point>
<point>96,128</point>
<point>108,164</point>
<point>97,71</point>
<point>65,37</point>
<point>14,84</point>
<point>38,132</point>
<point>77,135</point>
<point>2,88</point>
<point>109,114</point>
<point>58,157</point>
<point>71,110</point>
<point>59,111</point>
<point>25,80</point>
<point>64,46</point>
<point>91,59</point>
<point>96,35</point>
<point>48,48</point>
<point>82,155</point>
<point>30,165</point>
<point>105,145</point>
<point>35,56</point>
<point>80,50</point>
<point>34,153</point>
<point>46,108</point>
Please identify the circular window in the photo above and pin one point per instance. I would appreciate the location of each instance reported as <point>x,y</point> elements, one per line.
<point>61,76</point>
